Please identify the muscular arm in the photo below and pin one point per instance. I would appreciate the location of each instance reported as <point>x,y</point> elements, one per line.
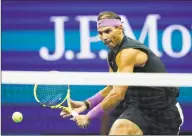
<point>126,59</point>
<point>105,91</point>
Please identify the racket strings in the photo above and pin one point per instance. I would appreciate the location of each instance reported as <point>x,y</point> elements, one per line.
<point>51,95</point>
<point>54,100</point>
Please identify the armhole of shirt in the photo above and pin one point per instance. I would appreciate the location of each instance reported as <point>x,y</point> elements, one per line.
<point>109,59</point>
<point>138,48</point>
<point>143,50</point>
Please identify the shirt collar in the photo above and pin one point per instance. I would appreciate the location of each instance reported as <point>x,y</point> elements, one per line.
<point>116,48</point>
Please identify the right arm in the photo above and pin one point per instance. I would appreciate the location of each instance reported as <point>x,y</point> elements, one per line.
<point>107,89</point>
<point>103,93</point>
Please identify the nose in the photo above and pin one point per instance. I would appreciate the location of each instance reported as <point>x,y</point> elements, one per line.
<point>105,37</point>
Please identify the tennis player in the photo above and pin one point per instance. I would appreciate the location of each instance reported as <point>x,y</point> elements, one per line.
<point>133,110</point>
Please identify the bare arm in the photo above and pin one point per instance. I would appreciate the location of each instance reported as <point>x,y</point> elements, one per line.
<point>124,65</point>
<point>107,89</point>
<point>126,59</point>
<point>104,92</point>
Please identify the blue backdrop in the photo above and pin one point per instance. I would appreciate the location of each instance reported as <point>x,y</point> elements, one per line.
<point>62,35</point>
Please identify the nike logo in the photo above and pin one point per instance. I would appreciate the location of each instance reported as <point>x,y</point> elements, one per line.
<point>99,23</point>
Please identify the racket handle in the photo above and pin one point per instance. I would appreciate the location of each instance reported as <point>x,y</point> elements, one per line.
<point>73,113</point>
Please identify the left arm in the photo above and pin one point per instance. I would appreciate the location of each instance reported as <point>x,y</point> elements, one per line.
<point>125,61</point>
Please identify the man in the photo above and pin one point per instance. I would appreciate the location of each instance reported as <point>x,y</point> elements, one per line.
<point>135,110</point>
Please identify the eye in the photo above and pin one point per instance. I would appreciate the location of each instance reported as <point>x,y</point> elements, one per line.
<point>100,33</point>
<point>107,31</point>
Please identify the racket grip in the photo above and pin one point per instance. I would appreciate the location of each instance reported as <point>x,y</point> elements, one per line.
<point>73,113</point>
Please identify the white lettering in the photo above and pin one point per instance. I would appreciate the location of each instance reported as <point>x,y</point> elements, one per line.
<point>85,39</point>
<point>150,28</point>
<point>186,41</point>
<point>59,40</point>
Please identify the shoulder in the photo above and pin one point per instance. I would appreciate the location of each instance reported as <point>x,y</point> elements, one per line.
<point>127,53</point>
<point>127,56</point>
<point>131,43</point>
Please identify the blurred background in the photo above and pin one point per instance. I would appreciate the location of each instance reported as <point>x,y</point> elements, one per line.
<point>61,35</point>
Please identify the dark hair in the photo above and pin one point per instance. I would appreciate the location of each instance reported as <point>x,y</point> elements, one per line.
<point>108,15</point>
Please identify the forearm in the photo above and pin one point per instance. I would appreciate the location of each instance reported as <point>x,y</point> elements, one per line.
<point>104,92</point>
<point>97,98</point>
<point>116,95</point>
<point>111,101</point>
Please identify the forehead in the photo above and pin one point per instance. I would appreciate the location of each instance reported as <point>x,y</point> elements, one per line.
<point>102,29</point>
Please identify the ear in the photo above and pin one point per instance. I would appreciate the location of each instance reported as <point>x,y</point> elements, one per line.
<point>120,28</point>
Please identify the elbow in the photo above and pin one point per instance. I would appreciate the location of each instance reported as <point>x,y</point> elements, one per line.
<point>120,97</point>
<point>116,96</point>
<point>120,92</point>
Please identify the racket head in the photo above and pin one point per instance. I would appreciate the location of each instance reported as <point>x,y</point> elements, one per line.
<point>52,96</point>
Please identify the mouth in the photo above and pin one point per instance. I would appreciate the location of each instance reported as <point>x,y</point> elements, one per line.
<point>107,42</point>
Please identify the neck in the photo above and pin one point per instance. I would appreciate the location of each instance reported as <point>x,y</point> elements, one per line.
<point>120,40</point>
<point>118,44</point>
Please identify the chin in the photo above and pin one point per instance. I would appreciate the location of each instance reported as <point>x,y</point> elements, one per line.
<point>111,45</point>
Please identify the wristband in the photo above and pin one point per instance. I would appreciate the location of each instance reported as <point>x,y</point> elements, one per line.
<point>96,112</point>
<point>94,100</point>
<point>87,104</point>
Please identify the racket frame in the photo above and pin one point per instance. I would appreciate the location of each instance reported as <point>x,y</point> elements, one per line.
<point>58,106</point>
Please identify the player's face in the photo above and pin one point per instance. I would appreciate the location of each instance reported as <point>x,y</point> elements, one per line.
<point>109,35</point>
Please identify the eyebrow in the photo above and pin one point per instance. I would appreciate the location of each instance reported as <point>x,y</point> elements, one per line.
<point>104,30</point>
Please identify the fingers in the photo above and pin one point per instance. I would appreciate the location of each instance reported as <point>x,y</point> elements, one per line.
<point>64,114</point>
<point>80,122</point>
<point>73,118</point>
<point>82,126</point>
<point>86,126</point>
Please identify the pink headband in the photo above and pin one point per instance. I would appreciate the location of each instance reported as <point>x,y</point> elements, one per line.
<point>108,22</point>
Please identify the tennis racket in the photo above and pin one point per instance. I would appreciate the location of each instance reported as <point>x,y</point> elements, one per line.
<point>55,97</point>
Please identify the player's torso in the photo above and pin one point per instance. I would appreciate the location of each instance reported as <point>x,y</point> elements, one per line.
<point>144,96</point>
<point>153,64</point>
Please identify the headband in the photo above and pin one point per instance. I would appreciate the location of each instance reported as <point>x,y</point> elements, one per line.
<point>108,22</point>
